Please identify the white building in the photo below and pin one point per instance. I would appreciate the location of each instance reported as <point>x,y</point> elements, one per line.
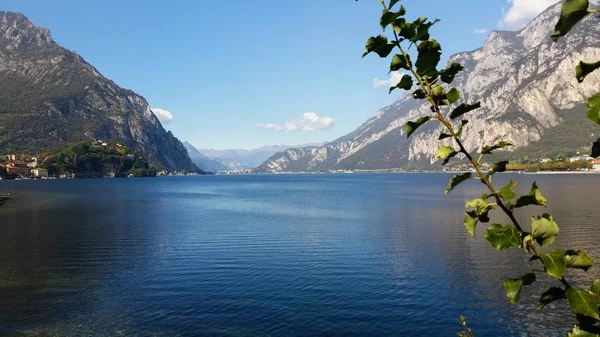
<point>39,172</point>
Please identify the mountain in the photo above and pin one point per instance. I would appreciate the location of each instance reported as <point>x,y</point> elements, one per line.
<point>529,96</point>
<point>239,159</point>
<point>203,162</point>
<point>50,96</point>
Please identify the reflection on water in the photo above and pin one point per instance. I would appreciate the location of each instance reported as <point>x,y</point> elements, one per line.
<point>302,255</point>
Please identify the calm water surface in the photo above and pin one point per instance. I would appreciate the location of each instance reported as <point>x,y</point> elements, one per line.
<point>272,255</point>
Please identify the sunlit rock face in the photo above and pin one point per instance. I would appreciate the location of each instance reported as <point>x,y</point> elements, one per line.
<point>50,96</point>
<point>522,79</point>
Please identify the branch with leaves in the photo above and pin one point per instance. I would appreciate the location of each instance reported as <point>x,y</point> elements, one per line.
<point>427,82</point>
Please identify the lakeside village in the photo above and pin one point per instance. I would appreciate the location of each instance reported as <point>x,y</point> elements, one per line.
<point>577,163</point>
<point>92,159</point>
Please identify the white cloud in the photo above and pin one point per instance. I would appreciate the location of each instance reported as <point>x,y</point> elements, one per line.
<point>163,115</point>
<point>522,11</point>
<point>308,122</point>
<point>480,31</point>
<point>395,77</point>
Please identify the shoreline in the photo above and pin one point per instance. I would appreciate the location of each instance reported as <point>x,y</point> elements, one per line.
<point>563,172</point>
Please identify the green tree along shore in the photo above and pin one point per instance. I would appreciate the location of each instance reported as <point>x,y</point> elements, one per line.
<point>94,160</point>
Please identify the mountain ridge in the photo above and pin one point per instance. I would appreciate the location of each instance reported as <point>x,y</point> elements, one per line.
<point>523,80</point>
<point>244,158</point>
<point>51,97</point>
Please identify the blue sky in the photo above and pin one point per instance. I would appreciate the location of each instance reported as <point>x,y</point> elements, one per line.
<point>223,67</point>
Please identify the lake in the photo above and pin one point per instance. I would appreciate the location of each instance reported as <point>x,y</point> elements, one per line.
<point>275,255</point>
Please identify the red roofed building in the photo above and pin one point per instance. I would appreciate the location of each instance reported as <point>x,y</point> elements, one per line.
<point>17,168</point>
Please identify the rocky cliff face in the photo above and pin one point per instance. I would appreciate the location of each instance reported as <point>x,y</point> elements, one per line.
<point>526,85</point>
<point>50,96</point>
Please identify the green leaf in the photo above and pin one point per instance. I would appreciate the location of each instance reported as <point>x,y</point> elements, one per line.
<point>379,44</point>
<point>555,263</point>
<point>578,259</point>
<point>544,230</point>
<point>457,179</point>
<point>387,18</point>
<point>405,83</point>
<point>429,57</point>
<point>498,168</point>
<point>479,212</point>
<point>439,95</point>
<point>394,2</point>
<point>470,222</point>
<point>596,287</point>
<point>444,136</point>
<point>577,332</point>
<point>446,153</point>
<point>419,94</point>
<point>404,29</point>
<point>551,295</point>
<point>583,69</point>
<point>489,149</point>
<point>503,237</point>
<point>479,205</point>
<point>513,287</point>
<point>463,109</point>
<point>423,29</point>
<point>507,193</point>
<point>411,127</point>
<point>583,302</point>
<point>400,62</point>
<point>572,12</point>
<point>447,75</point>
<point>596,149</point>
<point>593,112</point>
<point>453,95</point>
<point>462,126</point>
<point>534,198</point>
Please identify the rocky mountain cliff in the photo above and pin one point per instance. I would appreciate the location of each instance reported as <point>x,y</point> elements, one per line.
<point>527,89</point>
<point>50,96</point>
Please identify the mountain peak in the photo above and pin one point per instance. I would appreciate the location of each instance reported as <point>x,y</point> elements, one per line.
<point>527,89</point>
<point>52,97</point>
<point>17,31</point>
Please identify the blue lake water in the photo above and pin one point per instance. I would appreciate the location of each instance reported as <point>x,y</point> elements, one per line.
<point>274,255</point>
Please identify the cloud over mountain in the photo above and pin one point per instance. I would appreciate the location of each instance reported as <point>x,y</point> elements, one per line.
<point>394,79</point>
<point>308,122</point>
<point>164,116</point>
<point>522,11</point>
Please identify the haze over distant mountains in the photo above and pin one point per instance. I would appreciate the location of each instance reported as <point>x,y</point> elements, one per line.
<point>202,161</point>
<point>529,96</point>
<point>235,159</point>
<point>50,96</point>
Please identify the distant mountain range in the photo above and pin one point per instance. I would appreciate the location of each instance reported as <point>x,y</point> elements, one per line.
<point>202,161</point>
<point>235,159</point>
<point>529,96</point>
<point>50,96</point>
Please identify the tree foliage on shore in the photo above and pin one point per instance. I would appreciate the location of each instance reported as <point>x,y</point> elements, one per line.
<point>93,160</point>
<point>418,55</point>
